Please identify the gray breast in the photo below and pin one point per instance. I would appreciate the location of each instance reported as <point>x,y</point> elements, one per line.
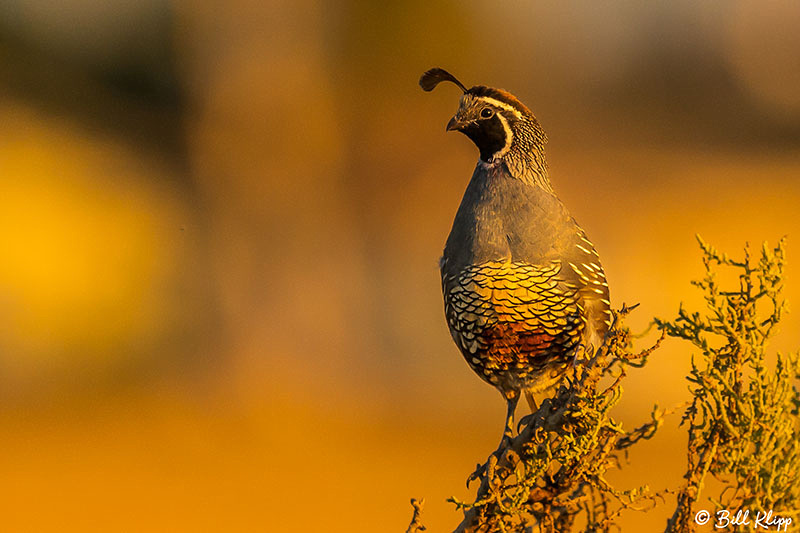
<point>502,218</point>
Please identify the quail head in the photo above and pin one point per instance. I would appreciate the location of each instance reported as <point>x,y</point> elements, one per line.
<point>524,290</point>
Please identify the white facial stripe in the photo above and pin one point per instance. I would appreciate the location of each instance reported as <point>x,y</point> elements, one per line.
<point>501,105</point>
<point>468,101</point>
<point>509,137</point>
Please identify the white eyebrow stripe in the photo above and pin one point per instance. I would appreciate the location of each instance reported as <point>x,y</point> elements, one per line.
<point>502,105</point>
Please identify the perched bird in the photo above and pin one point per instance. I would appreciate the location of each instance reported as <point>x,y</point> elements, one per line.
<point>524,291</point>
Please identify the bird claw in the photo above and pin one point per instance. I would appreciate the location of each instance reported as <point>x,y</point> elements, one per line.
<point>479,470</point>
<point>524,421</point>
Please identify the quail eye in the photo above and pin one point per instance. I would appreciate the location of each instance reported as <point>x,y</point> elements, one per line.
<point>487,112</point>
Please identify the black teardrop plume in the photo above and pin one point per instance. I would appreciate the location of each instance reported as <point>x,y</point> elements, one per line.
<point>435,76</point>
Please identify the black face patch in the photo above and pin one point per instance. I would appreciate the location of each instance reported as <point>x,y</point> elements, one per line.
<point>488,135</point>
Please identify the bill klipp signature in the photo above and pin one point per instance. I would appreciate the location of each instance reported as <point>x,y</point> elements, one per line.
<point>763,520</point>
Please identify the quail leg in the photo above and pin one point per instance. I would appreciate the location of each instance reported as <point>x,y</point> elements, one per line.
<point>531,401</point>
<point>532,404</point>
<point>511,401</point>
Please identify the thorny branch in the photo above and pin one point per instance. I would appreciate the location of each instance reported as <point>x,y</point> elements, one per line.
<point>743,420</point>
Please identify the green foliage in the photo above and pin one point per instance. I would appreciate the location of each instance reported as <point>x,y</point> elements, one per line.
<point>743,419</point>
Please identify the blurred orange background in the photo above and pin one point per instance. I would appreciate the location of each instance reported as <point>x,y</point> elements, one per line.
<point>220,306</point>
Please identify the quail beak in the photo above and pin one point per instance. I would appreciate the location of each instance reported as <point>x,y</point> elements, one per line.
<point>454,124</point>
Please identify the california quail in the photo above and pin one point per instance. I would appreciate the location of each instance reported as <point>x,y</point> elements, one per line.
<point>523,287</point>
